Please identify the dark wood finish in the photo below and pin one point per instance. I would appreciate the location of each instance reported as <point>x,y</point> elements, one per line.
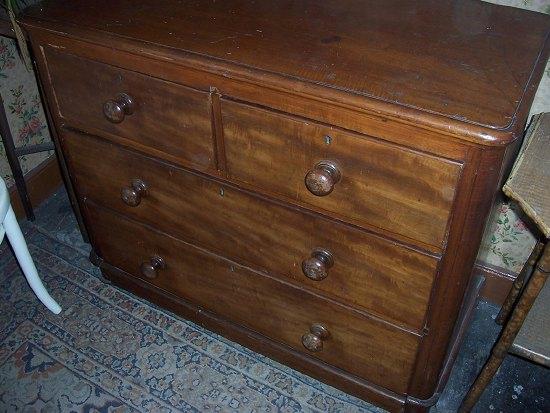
<point>510,331</point>
<point>316,267</point>
<point>131,195</point>
<point>115,110</point>
<point>357,344</point>
<point>460,330</point>
<point>164,117</point>
<point>371,116</point>
<point>41,182</point>
<point>321,179</point>
<point>411,114</point>
<point>369,182</point>
<point>387,279</point>
<point>447,295</point>
<point>313,339</point>
<point>46,97</point>
<point>149,269</point>
<point>498,282</point>
<point>441,57</point>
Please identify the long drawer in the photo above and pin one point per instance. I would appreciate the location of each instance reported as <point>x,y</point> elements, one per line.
<point>282,312</point>
<point>357,178</point>
<point>386,279</point>
<point>162,118</point>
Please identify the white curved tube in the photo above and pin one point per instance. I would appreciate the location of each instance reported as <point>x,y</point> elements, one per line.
<point>15,237</point>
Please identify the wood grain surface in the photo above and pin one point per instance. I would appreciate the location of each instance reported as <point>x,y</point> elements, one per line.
<point>167,118</point>
<point>383,185</point>
<point>422,104</point>
<point>440,56</point>
<point>386,279</point>
<point>360,345</point>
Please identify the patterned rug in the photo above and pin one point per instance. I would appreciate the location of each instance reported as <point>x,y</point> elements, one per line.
<point>110,352</point>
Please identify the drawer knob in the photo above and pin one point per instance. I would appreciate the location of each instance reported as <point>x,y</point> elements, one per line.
<point>150,269</point>
<point>321,179</point>
<point>313,340</point>
<point>131,195</point>
<point>316,267</point>
<point>116,109</point>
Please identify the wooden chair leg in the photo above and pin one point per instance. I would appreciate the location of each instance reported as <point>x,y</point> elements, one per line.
<point>527,269</point>
<point>509,332</point>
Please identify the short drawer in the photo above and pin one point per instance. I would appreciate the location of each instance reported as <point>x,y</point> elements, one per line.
<point>364,270</point>
<point>353,177</point>
<point>152,115</point>
<point>365,347</point>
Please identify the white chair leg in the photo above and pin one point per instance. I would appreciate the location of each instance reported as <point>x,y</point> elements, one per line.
<point>13,232</point>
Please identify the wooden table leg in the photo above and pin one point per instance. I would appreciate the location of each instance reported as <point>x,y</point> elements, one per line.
<point>509,332</point>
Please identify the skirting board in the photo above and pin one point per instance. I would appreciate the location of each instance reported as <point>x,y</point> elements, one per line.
<point>42,181</point>
<point>498,282</point>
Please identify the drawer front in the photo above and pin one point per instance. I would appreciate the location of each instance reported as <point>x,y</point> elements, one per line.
<point>386,279</point>
<point>161,118</point>
<point>367,348</point>
<point>354,178</point>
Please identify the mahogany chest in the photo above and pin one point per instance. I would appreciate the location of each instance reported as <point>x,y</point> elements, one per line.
<point>309,178</point>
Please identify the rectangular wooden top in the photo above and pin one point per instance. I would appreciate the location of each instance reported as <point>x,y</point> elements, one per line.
<point>529,181</point>
<point>467,60</point>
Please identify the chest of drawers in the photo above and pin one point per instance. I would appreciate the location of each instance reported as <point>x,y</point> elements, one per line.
<point>308,178</point>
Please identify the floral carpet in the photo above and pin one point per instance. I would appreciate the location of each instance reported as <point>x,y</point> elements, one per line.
<point>111,352</point>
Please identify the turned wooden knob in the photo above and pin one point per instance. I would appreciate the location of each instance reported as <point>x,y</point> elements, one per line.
<point>131,195</point>
<point>321,179</point>
<point>316,267</point>
<point>116,109</point>
<point>313,340</point>
<point>150,269</point>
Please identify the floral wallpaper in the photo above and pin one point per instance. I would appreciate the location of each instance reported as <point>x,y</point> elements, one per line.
<point>507,242</point>
<point>25,115</point>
